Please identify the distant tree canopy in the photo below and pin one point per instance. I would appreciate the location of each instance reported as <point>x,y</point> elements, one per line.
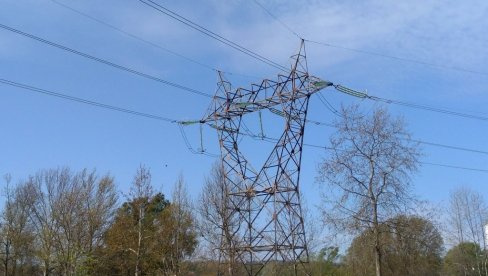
<point>150,235</point>
<point>326,261</point>
<point>465,259</point>
<point>61,222</point>
<point>64,222</point>
<point>409,245</point>
<point>55,220</point>
<point>158,239</point>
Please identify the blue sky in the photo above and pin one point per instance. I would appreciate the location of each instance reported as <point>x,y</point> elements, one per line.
<point>41,132</point>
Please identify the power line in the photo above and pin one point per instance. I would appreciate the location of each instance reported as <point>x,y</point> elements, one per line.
<point>446,111</point>
<point>455,167</point>
<point>106,62</point>
<point>337,113</point>
<point>136,37</point>
<point>371,53</point>
<point>211,34</point>
<point>169,120</point>
<point>433,65</point>
<point>363,95</point>
<point>109,107</point>
<point>429,108</point>
<point>333,110</point>
<point>208,95</point>
<point>117,29</point>
<point>278,20</point>
<point>449,146</point>
<point>189,146</point>
<point>328,105</point>
<point>85,101</point>
<point>274,140</point>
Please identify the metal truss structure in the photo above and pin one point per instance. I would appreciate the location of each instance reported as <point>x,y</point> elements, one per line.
<point>265,203</point>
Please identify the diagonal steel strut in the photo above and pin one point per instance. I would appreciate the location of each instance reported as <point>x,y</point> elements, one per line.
<point>266,203</point>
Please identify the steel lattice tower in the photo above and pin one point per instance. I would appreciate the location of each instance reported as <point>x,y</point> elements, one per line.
<point>265,202</point>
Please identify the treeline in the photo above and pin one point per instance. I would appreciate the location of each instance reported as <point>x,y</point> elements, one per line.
<point>64,222</point>
<point>60,222</point>
<point>368,196</point>
<point>410,245</point>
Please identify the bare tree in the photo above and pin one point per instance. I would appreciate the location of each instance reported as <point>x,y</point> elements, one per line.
<point>40,190</point>
<point>99,203</point>
<point>6,226</point>
<point>140,193</point>
<point>468,214</point>
<point>15,232</point>
<point>367,172</point>
<point>216,224</point>
<point>183,224</point>
<point>69,213</point>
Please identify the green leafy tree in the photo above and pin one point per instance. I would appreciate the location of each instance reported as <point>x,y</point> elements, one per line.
<point>149,235</point>
<point>463,260</point>
<point>130,241</point>
<point>326,261</point>
<point>409,245</point>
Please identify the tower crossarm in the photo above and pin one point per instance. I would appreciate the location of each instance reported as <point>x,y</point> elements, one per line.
<point>256,98</point>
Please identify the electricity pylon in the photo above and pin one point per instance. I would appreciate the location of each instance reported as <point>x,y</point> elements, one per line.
<point>265,203</point>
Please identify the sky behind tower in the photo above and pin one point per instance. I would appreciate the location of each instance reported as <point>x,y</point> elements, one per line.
<point>431,53</point>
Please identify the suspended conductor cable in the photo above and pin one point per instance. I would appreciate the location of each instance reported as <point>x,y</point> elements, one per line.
<point>363,95</point>
<point>106,62</point>
<point>371,53</point>
<point>455,167</point>
<point>433,65</point>
<point>213,35</point>
<point>274,140</point>
<point>136,37</point>
<point>328,105</point>
<point>117,29</point>
<point>85,101</point>
<point>433,144</point>
<point>278,20</point>
<point>189,146</point>
<point>104,106</point>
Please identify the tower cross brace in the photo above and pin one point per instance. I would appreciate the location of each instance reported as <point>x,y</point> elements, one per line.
<point>265,203</point>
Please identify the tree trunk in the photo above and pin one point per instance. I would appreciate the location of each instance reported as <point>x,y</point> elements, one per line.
<point>7,255</point>
<point>377,255</point>
<point>377,247</point>
<point>139,239</point>
<point>376,226</point>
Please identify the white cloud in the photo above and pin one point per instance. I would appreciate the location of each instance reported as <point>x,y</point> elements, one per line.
<point>434,31</point>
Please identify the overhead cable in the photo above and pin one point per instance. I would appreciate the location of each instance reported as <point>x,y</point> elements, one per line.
<point>139,38</point>
<point>136,37</point>
<point>212,34</point>
<point>363,95</point>
<point>85,101</point>
<point>371,53</point>
<point>181,124</point>
<point>454,167</point>
<point>106,62</point>
<point>429,64</point>
<point>274,140</point>
<point>424,142</point>
<point>169,120</point>
<point>278,20</point>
